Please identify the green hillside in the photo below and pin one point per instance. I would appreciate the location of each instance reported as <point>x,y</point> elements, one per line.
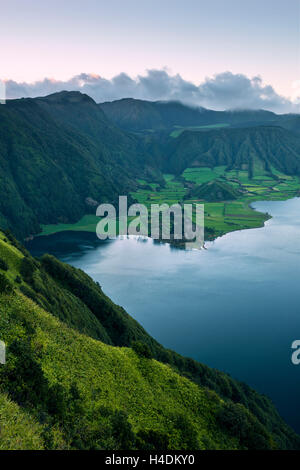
<point>60,157</point>
<point>82,374</point>
<point>236,149</point>
<point>216,191</point>
<point>144,116</point>
<point>19,429</point>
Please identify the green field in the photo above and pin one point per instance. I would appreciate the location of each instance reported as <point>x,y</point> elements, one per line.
<point>220,217</point>
<point>203,175</point>
<point>173,192</point>
<point>87,223</point>
<point>223,217</point>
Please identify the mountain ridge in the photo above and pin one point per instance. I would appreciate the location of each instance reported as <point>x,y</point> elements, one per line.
<point>46,139</point>
<point>139,115</point>
<point>271,145</point>
<point>67,138</point>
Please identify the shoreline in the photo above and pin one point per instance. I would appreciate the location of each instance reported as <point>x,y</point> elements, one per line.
<point>91,228</point>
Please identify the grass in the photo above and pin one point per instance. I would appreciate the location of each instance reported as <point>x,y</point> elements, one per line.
<point>203,175</point>
<point>19,430</point>
<point>220,217</point>
<point>179,130</point>
<point>224,217</point>
<point>12,256</point>
<point>152,394</point>
<point>86,224</point>
<point>172,193</point>
<point>61,388</point>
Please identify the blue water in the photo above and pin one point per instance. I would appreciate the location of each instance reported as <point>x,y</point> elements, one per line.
<point>234,306</point>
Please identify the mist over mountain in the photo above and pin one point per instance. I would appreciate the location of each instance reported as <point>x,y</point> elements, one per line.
<point>139,115</point>
<point>222,91</point>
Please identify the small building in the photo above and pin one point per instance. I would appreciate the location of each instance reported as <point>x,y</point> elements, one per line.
<point>2,353</point>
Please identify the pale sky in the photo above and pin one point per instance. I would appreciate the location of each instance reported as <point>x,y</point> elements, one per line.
<point>194,38</point>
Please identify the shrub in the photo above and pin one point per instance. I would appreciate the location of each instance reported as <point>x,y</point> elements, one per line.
<point>15,242</point>
<point>23,377</point>
<point>26,290</point>
<point>122,431</point>
<point>188,432</point>
<point>141,349</point>
<point>3,265</point>
<point>27,269</point>
<point>5,284</point>
<point>152,440</point>
<point>238,422</point>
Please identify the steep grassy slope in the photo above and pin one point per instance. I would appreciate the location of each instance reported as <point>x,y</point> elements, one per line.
<point>19,430</point>
<point>80,392</point>
<point>106,380</point>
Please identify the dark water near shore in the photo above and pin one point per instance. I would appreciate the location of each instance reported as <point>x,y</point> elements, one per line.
<point>234,306</point>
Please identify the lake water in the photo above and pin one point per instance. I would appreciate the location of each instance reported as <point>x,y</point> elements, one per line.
<point>234,306</point>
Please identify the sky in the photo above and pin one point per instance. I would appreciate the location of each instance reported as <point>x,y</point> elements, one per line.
<point>197,41</point>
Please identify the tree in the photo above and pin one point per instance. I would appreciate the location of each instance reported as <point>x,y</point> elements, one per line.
<point>3,265</point>
<point>5,284</point>
<point>27,269</point>
<point>141,349</point>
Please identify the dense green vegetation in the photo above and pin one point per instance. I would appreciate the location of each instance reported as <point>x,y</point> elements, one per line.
<point>82,374</point>
<point>60,156</point>
<point>237,149</point>
<point>19,429</point>
<point>199,175</point>
<point>87,223</point>
<point>225,194</point>
<point>145,116</point>
<point>215,191</point>
<point>179,130</point>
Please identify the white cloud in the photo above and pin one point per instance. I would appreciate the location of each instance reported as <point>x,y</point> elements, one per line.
<point>222,91</point>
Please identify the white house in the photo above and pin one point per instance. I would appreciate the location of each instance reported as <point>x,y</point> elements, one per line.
<point>2,352</point>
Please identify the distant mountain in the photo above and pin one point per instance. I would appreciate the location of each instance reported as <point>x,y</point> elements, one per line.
<point>290,122</point>
<point>61,155</point>
<point>139,115</point>
<point>57,153</point>
<point>237,149</point>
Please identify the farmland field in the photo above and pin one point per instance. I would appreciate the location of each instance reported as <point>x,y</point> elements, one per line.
<point>220,217</point>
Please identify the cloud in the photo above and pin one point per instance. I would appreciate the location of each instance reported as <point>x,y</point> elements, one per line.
<point>222,91</point>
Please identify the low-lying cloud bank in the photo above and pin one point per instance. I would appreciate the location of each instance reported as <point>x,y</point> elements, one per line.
<point>223,91</point>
